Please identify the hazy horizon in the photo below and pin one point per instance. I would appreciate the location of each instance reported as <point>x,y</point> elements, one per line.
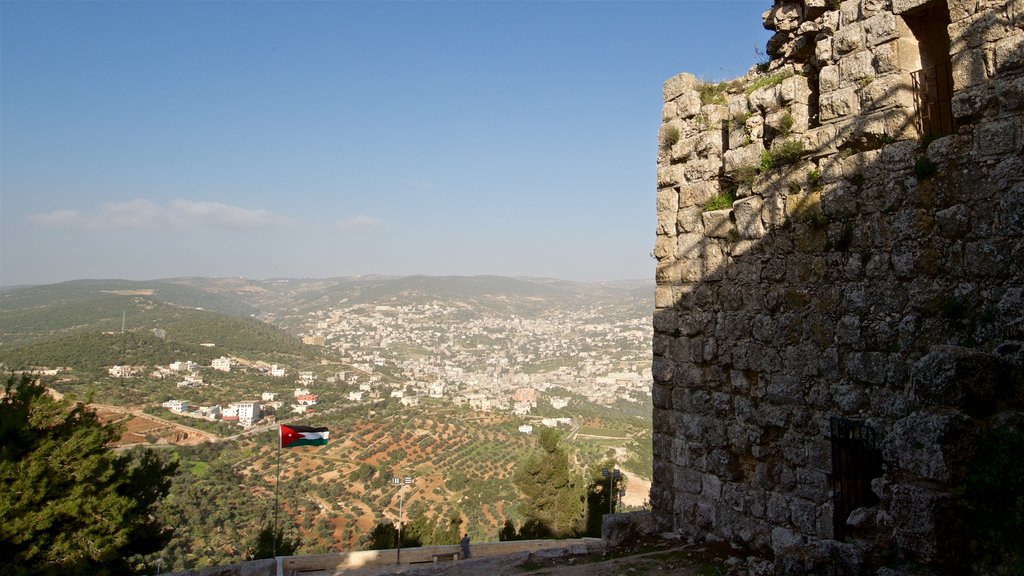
<point>336,139</point>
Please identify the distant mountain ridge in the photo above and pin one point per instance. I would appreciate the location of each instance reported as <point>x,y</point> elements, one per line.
<point>36,314</point>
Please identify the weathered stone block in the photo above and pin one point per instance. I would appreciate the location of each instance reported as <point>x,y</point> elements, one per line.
<point>747,212</point>
<point>925,523</point>
<point>689,219</point>
<point>956,377</point>
<point>881,28</point>
<point>718,223</point>
<point>1009,53</point>
<point>795,90</point>
<point>848,39</point>
<point>855,68</point>
<point>838,104</point>
<point>677,84</point>
<point>996,138</point>
<point>969,69</point>
<point>931,446</point>
<point>671,175</point>
<point>828,79</point>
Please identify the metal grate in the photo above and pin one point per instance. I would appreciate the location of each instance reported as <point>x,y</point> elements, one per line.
<point>856,459</point>
<point>933,95</point>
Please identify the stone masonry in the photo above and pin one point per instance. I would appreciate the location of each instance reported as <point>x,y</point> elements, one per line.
<point>837,336</point>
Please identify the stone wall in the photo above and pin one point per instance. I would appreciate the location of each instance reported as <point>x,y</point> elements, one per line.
<point>865,272</point>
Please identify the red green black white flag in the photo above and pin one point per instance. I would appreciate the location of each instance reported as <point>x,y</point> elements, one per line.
<point>303,436</point>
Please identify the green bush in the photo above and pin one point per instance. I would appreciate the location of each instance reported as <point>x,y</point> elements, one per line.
<point>723,199</point>
<point>670,137</point>
<point>786,124</point>
<point>766,81</point>
<point>924,168</point>
<point>784,154</point>
<point>712,93</point>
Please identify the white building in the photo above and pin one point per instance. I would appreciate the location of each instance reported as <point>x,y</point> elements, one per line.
<point>247,412</point>
<point>307,378</point>
<point>121,371</point>
<point>268,396</point>
<point>178,406</point>
<point>178,366</point>
<point>223,364</point>
<point>277,372</point>
<point>526,429</point>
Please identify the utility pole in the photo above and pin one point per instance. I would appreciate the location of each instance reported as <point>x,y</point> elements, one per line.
<point>402,482</point>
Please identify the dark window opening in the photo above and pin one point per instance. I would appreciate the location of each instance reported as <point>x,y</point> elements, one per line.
<point>932,76</point>
<point>856,460</point>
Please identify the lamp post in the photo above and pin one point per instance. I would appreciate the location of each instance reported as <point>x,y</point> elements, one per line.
<point>612,476</point>
<point>401,482</point>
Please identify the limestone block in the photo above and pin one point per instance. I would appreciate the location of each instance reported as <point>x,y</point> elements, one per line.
<point>839,104</point>
<point>823,49</point>
<point>887,58</point>
<point>784,539</point>
<point>671,175</point>
<point>804,206</point>
<point>666,224</point>
<point>718,224</point>
<point>785,17</point>
<point>662,370</point>
<point>1009,53</point>
<point>795,90</point>
<point>663,297</point>
<point>668,273</point>
<point>676,85</point>
<point>1011,210</point>
<point>696,194</point>
<point>960,9</point>
<point>747,212</point>
<point>977,30</point>
<point>855,68</point>
<point>766,99</point>
<point>688,104</point>
<point>663,247</point>
<point>956,377</point>
<point>881,28</point>
<point>888,91</point>
<point>690,270</point>
<point>901,6</point>
<point>804,515</point>
<point>1010,94</point>
<point>969,69</point>
<point>996,138</point>
<point>669,111</point>
<point>689,246</point>
<point>689,219</point>
<point>924,521</point>
<point>848,39</point>
<point>931,446</point>
<point>820,141</point>
<point>668,200</point>
<point>743,157</point>
<point>849,11</point>
<point>626,528</point>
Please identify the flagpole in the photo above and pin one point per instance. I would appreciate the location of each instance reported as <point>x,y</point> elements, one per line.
<point>277,484</point>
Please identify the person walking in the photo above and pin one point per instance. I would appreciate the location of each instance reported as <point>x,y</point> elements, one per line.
<point>465,546</point>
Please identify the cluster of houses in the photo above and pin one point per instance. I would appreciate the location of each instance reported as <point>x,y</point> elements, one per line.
<point>245,413</point>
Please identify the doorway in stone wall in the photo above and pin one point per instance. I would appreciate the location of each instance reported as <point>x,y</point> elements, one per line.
<point>856,460</point>
<point>928,61</point>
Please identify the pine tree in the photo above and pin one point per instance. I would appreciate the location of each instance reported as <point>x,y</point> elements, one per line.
<point>69,504</point>
<point>552,499</point>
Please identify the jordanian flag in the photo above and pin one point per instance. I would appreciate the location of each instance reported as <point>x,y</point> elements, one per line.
<point>303,436</point>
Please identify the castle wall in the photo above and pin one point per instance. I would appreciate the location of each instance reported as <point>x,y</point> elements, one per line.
<point>864,283</point>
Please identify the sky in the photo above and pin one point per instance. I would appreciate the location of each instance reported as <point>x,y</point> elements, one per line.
<point>145,140</point>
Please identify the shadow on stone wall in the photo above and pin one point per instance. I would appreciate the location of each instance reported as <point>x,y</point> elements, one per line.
<point>877,282</point>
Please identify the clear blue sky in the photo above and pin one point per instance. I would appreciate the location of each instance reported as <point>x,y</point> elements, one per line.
<point>146,140</point>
